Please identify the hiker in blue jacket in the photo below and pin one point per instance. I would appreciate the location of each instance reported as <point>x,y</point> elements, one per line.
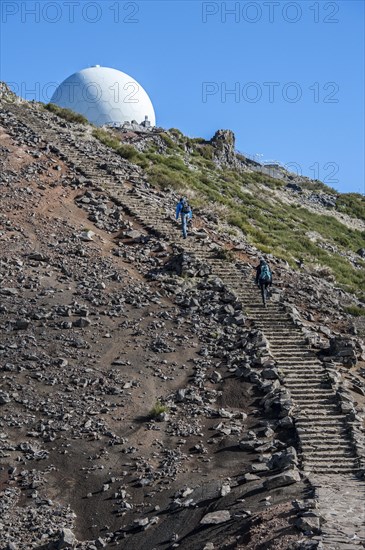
<point>183,210</point>
<point>263,279</point>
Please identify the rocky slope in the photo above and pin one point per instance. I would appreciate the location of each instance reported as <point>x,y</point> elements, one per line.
<point>147,399</point>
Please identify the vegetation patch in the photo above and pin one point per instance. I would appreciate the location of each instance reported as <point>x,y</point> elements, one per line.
<point>66,114</point>
<point>157,409</point>
<point>352,204</point>
<point>355,311</point>
<point>126,151</point>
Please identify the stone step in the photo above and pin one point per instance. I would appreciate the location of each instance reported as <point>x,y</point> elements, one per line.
<point>330,467</point>
<point>328,451</point>
<point>277,332</point>
<point>317,423</point>
<point>257,307</point>
<point>321,398</point>
<point>310,361</point>
<point>327,469</point>
<point>321,460</point>
<point>294,379</point>
<point>305,386</point>
<point>311,406</point>
<point>326,447</point>
<point>270,315</point>
<point>311,388</point>
<point>322,395</point>
<point>272,311</point>
<point>274,324</point>
<point>295,357</point>
<point>293,335</point>
<point>289,344</point>
<point>314,431</point>
<point>293,350</point>
<point>336,428</point>
<point>276,343</point>
<point>340,544</point>
<point>325,429</point>
<point>280,328</point>
<point>293,353</point>
<point>315,393</point>
<point>333,440</point>
<point>295,372</point>
<point>311,442</point>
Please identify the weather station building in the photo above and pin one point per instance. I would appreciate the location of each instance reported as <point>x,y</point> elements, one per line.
<point>106,96</point>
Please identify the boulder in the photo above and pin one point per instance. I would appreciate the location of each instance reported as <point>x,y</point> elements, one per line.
<point>309,523</point>
<point>67,539</point>
<point>281,480</point>
<point>284,459</point>
<point>342,350</point>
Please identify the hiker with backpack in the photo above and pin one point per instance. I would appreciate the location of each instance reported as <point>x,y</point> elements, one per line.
<point>183,210</point>
<point>263,279</point>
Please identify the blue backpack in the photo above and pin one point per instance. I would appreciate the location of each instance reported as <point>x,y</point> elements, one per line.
<point>265,274</point>
<point>185,207</point>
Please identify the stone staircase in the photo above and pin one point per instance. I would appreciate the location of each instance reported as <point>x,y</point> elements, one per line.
<point>324,434</point>
<point>325,443</point>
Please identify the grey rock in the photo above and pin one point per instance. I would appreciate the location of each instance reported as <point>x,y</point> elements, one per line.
<point>4,398</point>
<point>83,322</point>
<point>8,291</point>
<point>22,324</point>
<point>269,374</point>
<point>309,523</point>
<point>67,539</point>
<point>281,480</point>
<point>284,459</point>
<point>214,518</point>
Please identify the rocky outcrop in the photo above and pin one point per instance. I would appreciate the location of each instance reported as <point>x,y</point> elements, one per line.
<point>224,154</point>
<point>341,350</point>
<point>6,95</point>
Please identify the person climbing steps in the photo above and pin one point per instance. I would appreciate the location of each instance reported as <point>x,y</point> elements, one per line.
<point>183,209</point>
<point>263,279</point>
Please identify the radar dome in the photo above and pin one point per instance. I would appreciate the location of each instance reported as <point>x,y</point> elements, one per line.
<point>105,96</point>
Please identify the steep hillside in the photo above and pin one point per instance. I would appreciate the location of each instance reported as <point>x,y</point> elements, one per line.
<point>291,217</point>
<point>148,400</point>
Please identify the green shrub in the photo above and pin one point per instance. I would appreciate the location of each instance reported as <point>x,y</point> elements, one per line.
<point>177,133</point>
<point>206,151</point>
<point>106,138</point>
<point>66,114</point>
<point>197,140</point>
<point>352,204</point>
<point>158,409</point>
<point>355,311</point>
<point>162,176</point>
<point>125,150</point>
<point>168,141</point>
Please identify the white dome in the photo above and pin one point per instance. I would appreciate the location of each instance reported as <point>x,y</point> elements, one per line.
<point>105,96</point>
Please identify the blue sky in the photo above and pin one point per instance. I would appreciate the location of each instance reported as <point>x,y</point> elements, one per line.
<point>295,69</point>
